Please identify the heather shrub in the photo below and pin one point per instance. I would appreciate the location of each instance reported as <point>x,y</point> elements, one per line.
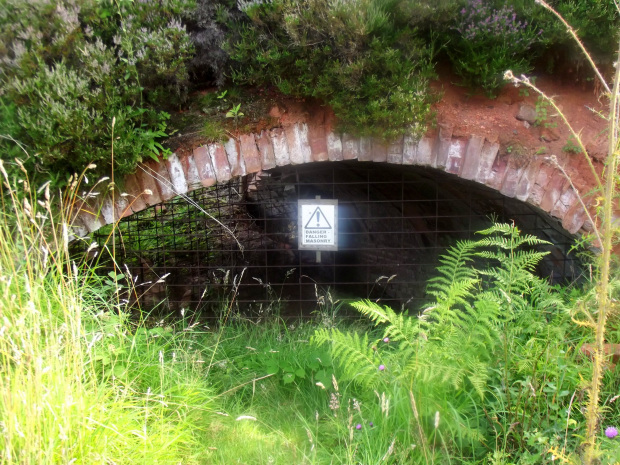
<point>487,42</point>
<point>68,68</point>
<point>595,22</point>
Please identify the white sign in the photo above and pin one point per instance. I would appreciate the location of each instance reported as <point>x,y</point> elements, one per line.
<point>317,224</point>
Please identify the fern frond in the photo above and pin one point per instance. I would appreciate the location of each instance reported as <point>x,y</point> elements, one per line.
<point>353,353</point>
<point>454,267</point>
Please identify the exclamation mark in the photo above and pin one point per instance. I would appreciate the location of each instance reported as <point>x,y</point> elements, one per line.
<point>318,218</point>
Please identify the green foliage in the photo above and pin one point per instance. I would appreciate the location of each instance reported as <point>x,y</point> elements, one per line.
<point>492,333</point>
<point>542,114</point>
<point>596,23</point>
<point>213,131</point>
<point>571,146</point>
<point>372,70</point>
<point>487,42</point>
<point>71,68</point>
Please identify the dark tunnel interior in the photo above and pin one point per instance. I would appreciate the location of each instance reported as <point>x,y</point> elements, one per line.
<point>239,240</point>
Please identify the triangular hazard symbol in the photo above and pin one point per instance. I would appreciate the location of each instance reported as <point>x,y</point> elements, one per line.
<point>318,220</point>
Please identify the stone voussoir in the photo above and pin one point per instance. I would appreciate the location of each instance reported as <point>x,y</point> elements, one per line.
<point>365,149</point>
<point>334,147</point>
<point>456,153</point>
<point>350,147</point>
<point>395,151</point>
<point>379,151</point>
<point>298,143</point>
<point>487,158</point>
<point>190,169</point>
<point>177,175</point>
<point>203,160</point>
<point>250,154</point>
<point>471,162</point>
<point>280,147</point>
<point>219,159</point>
<point>159,170</point>
<point>410,150</point>
<point>265,148</point>
<point>146,178</point>
<point>135,193</point>
<point>475,158</point>
<point>237,166</point>
<point>442,148</point>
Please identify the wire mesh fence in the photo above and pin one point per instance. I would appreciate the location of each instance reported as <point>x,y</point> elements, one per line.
<point>239,239</point>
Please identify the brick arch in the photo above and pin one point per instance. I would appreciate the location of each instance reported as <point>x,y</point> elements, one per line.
<point>531,179</point>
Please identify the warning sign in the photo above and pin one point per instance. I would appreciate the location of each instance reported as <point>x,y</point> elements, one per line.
<point>317,224</point>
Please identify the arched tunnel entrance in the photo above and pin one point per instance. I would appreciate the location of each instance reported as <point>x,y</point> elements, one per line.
<point>240,238</point>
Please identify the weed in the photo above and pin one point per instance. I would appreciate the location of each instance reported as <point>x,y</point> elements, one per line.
<point>571,146</point>
<point>213,131</point>
<point>542,114</point>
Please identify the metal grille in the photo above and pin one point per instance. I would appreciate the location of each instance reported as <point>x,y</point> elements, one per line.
<point>240,239</point>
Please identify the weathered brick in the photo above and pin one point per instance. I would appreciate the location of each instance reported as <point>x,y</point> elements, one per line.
<point>471,162</point>
<point>456,152</point>
<point>177,176</point>
<point>334,147</point>
<point>265,147</point>
<point>237,166</point>
<point>410,150</point>
<point>350,147</point>
<point>365,149</point>
<point>487,158</point>
<point>219,159</point>
<point>395,151</point>
<point>203,160</point>
<point>249,153</point>
<point>280,147</point>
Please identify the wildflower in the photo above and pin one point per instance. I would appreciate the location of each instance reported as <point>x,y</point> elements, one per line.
<point>611,432</point>
<point>371,424</point>
<point>386,340</point>
<point>381,367</point>
<point>358,426</point>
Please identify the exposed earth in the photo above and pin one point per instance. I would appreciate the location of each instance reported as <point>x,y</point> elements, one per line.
<point>539,131</point>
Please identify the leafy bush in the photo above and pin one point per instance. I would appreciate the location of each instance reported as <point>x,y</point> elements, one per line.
<point>68,68</point>
<point>370,69</point>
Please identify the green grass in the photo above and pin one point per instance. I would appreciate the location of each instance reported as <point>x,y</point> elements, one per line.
<point>82,382</point>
